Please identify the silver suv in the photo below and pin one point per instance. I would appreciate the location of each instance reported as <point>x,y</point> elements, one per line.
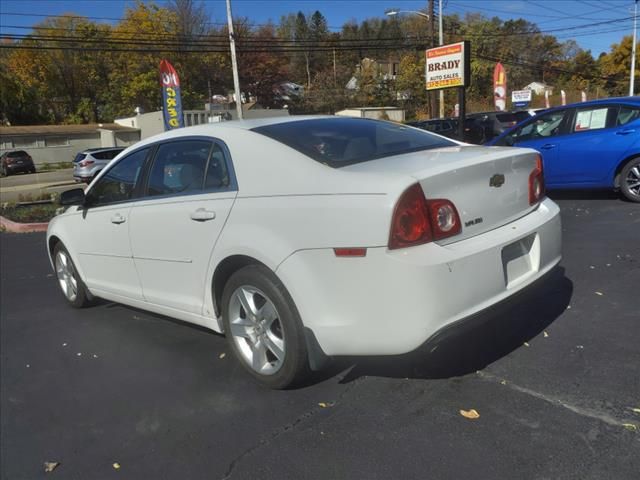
<point>89,162</point>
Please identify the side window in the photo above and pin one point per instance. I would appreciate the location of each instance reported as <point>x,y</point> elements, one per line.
<point>217,172</point>
<point>590,119</point>
<point>627,114</point>
<point>118,183</point>
<point>543,126</point>
<point>179,167</point>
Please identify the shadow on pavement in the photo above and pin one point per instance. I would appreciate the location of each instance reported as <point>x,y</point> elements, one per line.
<point>585,195</point>
<point>474,344</point>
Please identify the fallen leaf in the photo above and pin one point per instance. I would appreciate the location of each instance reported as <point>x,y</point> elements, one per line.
<point>116,465</point>
<point>635,410</point>
<point>470,414</point>
<point>599,293</point>
<point>568,307</point>
<point>503,382</point>
<point>630,426</point>
<point>64,344</point>
<point>222,355</point>
<point>95,356</point>
<point>79,354</point>
<point>28,366</point>
<point>50,466</point>
<point>591,267</point>
<point>326,404</point>
<point>580,346</point>
<point>526,344</point>
<point>545,334</point>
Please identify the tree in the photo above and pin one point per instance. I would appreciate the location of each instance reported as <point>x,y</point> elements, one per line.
<point>616,66</point>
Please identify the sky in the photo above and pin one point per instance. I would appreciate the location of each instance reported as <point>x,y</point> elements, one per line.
<point>559,17</point>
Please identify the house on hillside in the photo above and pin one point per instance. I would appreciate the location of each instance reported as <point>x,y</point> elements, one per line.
<point>539,88</point>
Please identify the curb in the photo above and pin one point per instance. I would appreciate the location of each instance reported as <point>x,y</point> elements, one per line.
<point>15,227</point>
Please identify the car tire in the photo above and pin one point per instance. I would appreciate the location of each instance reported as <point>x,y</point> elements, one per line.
<point>263,327</point>
<point>630,180</point>
<point>33,170</point>
<point>71,285</point>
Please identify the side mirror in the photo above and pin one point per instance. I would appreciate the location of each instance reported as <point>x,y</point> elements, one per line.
<point>72,197</point>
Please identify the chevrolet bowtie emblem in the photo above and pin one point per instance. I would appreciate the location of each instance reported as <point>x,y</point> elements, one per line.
<point>497,180</point>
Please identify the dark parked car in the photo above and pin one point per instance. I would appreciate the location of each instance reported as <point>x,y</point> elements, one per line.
<point>448,127</point>
<point>16,161</point>
<point>585,145</point>
<point>491,124</point>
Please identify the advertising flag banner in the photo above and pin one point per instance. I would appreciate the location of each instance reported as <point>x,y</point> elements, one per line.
<point>171,102</point>
<point>546,99</point>
<point>500,87</point>
<point>447,66</point>
<point>563,95</point>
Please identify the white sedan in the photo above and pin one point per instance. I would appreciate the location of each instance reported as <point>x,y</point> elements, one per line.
<point>309,237</point>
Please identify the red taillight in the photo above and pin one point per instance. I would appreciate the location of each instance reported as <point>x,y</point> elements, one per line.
<point>86,163</point>
<point>444,218</point>
<point>536,182</point>
<point>417,220</point>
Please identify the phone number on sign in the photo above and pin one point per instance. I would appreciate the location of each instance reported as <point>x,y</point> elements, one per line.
<point>451,82</point>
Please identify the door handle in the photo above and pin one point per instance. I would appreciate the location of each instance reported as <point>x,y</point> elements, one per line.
<point>548,146</point>
<point>117,219</point>
<point>626,131</point>
<point>202,215</point>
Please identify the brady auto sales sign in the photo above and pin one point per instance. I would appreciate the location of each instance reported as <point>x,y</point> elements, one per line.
<point>448,66</point>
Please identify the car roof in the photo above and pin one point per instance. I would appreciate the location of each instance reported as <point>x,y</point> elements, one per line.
<point>601,101</point>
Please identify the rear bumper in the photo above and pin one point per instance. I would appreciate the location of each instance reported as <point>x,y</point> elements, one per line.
<point>23,167</point>
<point>391,302</point>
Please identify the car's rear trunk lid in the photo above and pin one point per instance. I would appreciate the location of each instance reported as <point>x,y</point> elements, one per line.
<point>489,186</point>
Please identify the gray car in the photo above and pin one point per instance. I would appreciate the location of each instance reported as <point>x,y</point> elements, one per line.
<point>91,161</point>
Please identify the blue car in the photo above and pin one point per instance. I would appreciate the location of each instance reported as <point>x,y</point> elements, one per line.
<point>592,144</point>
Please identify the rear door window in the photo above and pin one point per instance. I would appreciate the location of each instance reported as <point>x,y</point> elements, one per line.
<point>627,114</point>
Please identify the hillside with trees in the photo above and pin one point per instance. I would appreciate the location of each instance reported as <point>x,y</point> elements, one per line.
<point>69,69</point>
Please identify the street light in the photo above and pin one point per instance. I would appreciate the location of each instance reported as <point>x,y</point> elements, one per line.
<point>395,11</point>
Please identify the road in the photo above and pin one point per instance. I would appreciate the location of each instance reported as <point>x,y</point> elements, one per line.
<point>13,186</point>
<point>554,378</point>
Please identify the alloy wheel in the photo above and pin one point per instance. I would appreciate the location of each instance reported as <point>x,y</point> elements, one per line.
<point>66,276</point>
<point>256,330</point>
<point>633,180</point>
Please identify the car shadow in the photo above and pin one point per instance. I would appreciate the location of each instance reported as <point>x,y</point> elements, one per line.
<point>469,346</point>
<point>586,194</point>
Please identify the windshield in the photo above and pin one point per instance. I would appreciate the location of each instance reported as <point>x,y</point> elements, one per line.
<point>339,142</point>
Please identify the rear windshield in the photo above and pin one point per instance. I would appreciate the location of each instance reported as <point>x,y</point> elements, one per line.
<point>339,142</point>
<point>17,153</point>
<point>79,157</point>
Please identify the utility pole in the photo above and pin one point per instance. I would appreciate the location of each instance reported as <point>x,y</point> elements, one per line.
<point>633,50</point>
<point>441,42</point>
<point>431,20</point>
<point>234,62</point>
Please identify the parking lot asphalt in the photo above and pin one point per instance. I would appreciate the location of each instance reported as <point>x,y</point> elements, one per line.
<point>554,377</point>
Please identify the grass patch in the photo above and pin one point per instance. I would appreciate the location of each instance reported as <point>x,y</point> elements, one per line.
<point>49,167</point>
<point>29,213</point>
